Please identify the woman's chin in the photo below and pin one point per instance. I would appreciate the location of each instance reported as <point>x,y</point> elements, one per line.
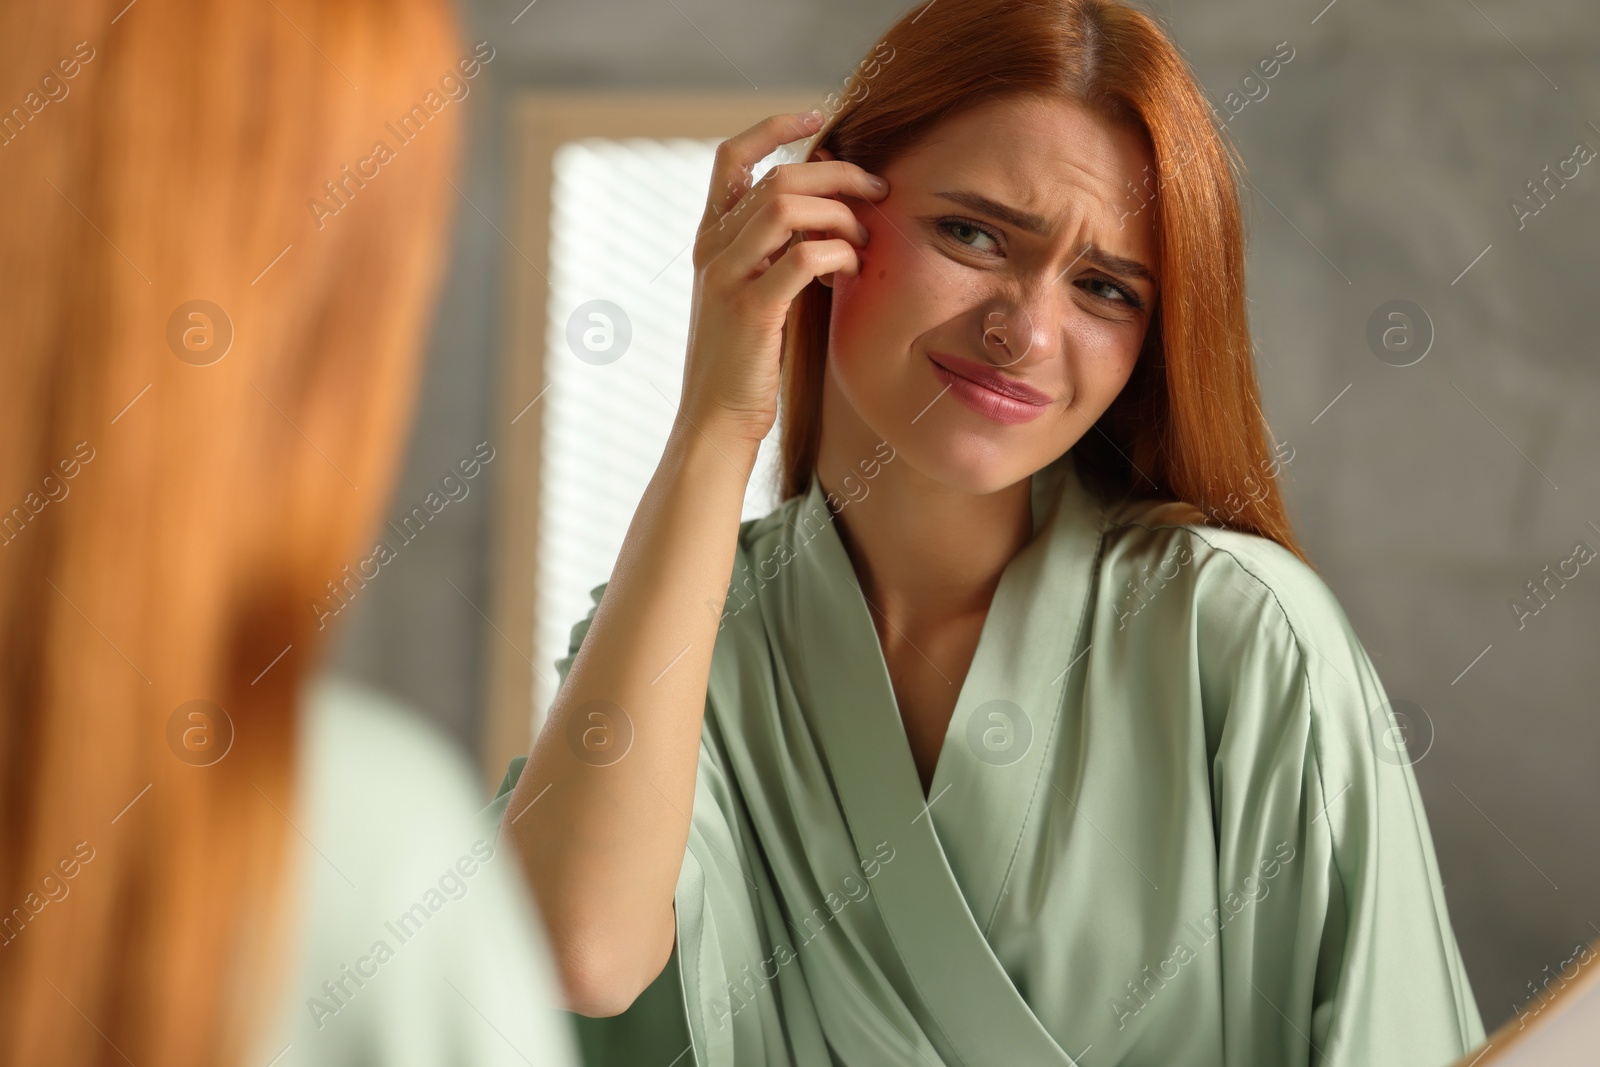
<point>969,462</point>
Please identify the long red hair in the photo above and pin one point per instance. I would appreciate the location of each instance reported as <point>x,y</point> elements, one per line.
<point>1188,425</point>
<point>167,525</point>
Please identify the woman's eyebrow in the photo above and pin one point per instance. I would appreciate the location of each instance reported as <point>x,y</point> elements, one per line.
<point>1039,226</point>
<point>1022,220</point>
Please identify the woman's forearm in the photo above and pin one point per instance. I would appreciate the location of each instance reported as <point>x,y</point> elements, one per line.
<point>602,842</point>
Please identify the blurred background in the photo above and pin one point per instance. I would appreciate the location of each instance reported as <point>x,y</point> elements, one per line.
<point>1425,247</point>
<point>1390,159</point>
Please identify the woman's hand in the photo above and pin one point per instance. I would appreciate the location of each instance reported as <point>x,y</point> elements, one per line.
<point>747,275</point>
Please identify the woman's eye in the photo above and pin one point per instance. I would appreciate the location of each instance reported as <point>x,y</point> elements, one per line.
<point>969,234</point>
<point>1116,293</point>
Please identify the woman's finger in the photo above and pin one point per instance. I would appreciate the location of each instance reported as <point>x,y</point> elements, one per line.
<point>737,156</point>
<point>796,268</point>
<point>821,183</point>
<point>773,225</point>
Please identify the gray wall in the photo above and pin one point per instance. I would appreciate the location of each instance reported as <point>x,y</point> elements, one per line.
<point>1384,158</point>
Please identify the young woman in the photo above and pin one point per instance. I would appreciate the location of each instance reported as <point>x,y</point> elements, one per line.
<point>1026,734</point>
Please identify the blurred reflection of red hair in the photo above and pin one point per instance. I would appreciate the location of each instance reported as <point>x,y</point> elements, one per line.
<point>181,560</point>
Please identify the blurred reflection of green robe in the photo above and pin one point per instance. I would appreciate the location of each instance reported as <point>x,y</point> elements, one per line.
<point>1173,822</point>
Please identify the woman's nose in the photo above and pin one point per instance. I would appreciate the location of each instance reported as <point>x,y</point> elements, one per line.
<point>1016,329</point>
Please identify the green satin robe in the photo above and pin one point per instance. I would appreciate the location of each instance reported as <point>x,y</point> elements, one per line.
<point>1173,822</point>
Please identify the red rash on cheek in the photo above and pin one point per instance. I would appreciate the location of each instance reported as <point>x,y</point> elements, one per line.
<point>865,303</point>
<point>885,254</point>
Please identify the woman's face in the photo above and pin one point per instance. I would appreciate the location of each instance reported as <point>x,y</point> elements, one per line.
<point>1004,294</point>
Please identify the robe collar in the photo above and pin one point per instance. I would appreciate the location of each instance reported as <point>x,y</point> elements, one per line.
<point>960,841</point>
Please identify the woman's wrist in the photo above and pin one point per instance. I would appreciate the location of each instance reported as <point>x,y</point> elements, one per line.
<point>707,445</point>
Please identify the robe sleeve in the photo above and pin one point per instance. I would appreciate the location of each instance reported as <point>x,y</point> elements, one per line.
<point>1337,945</point>
<point>705,996</point>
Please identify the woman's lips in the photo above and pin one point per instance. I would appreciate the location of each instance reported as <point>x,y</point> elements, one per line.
<point>987,391</point>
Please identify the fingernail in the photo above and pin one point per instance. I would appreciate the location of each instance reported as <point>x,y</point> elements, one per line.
<point>812,117</point>
<point>878,183</point>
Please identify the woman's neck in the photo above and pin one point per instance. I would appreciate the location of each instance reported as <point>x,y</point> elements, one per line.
<point>924,552</point>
